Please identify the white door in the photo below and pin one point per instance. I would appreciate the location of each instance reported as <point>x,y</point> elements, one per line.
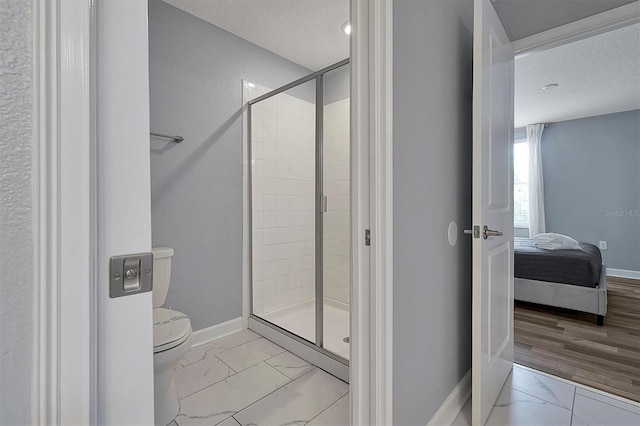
<point>492,314</point>
<point>123,210</point>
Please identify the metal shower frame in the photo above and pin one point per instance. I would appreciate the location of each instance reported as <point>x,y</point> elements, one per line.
<point>318,76</point>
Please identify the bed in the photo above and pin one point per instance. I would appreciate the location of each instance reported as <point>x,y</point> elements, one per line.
<point>571,279</point>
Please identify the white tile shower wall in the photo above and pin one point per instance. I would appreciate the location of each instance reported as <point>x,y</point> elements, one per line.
<point>283,174</point>
<point>336,189</point>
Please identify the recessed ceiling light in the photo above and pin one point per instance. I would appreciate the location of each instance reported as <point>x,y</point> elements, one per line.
<point>346,27</point>
<point>550,86</point>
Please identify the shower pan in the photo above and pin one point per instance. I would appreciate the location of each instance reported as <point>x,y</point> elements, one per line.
<point>299,216</point>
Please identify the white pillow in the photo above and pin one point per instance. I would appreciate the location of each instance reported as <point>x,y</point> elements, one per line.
<point>551,241</point>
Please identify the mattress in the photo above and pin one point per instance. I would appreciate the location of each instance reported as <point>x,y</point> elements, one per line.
<point>574,267</point>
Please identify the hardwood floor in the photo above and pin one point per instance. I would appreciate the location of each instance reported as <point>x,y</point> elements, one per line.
<point>569,344</point>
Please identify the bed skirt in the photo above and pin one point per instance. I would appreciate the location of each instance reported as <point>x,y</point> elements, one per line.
<point>585,299</point>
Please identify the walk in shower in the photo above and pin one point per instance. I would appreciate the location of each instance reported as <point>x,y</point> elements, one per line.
<point>299,211</point>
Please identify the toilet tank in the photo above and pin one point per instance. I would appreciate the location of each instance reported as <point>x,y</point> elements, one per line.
<point>161,274</point>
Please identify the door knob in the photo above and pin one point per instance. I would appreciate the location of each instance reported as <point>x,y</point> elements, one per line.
<point>490,233</point>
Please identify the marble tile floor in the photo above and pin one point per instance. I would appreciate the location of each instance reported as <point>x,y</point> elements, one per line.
<point>244,379</point>
<point>532,398</point>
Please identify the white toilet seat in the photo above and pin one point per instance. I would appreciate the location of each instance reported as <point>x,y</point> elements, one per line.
<point>170,329</point>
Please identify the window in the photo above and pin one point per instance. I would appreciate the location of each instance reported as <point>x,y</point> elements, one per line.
<point>521,184</point>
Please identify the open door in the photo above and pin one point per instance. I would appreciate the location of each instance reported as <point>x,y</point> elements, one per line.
<point>492,314</point>
<point>125,379</point>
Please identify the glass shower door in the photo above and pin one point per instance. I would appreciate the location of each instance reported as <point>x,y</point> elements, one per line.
<point>282,177</point>
<point>300,211</point>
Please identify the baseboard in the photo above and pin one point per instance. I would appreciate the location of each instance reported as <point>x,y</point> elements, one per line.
<point>623,273</point>
<point>453,405</point>
<point>206,335</point>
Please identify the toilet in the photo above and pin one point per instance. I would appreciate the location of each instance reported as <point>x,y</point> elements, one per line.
<point>171,339</point>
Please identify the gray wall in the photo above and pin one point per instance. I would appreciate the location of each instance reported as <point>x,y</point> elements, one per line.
<point>591,172</point>
<point>196,186</point>
<point>432,142</point>
<point>16,261</point>
<point>337,85</point>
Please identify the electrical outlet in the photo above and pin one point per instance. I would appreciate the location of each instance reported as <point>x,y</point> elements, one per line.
<point>603,245</point>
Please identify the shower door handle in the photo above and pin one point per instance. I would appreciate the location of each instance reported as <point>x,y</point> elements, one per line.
<point>323,204</point>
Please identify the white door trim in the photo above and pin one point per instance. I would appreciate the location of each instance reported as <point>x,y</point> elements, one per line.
<point>64,244</point>
<point>371,365</point>
<point>63,296</point>
<point>577,30</point>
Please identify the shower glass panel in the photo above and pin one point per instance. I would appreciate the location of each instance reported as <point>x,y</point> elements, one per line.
<point>283,206</point>
<point>336,224</point>
<point>300,213</point>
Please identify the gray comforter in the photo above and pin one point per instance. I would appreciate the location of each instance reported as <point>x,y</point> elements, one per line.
<point>575,267</point>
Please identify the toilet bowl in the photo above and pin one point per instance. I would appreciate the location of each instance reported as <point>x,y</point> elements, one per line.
<point>171,339</point>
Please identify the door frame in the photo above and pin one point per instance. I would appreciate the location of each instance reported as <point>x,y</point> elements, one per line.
<point>64,369</point>
<point>64,297</point>
<point>371,365</point>
<point>64,384</point>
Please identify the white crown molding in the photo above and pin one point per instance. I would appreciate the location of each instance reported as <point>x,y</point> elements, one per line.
<point>577,30</point>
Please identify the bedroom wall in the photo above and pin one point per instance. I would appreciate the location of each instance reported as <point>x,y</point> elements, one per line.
<point>196,72</point>
<point>592,183</point>
<point>432,145</point>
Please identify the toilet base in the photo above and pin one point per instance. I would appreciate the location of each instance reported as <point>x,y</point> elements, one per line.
<point>165,396</point>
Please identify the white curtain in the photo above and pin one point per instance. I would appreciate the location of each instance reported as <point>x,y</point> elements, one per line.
<point>536,183</point>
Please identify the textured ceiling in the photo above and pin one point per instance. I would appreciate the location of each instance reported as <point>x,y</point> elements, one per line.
<point>522,18</point>
<point>307,32</point>
<point>598,75</point>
